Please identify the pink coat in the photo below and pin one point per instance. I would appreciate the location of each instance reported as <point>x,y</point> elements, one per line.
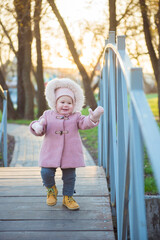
<point>62,149</point>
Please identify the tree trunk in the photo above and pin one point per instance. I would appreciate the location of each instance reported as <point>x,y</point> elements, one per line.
<point>25,95</point>
<point>27,40</point>
<point>112,16</point>
<point>20,85</point>
<point>86,80</point>
<point>20,58</point>
<point>148,38</point>
<point>39,73</point>
<point>157,20</point>
<point>11,111</point>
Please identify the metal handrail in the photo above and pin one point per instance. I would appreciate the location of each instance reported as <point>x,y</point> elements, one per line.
<point>2,93</point>
<point>3,126</point>
<point>123,132</point>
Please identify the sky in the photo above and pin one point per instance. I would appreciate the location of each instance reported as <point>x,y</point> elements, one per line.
<point>78,9</point>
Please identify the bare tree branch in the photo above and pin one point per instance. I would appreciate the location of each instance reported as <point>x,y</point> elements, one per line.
<point>98,60</point>
<point>10,41</point>
<point>127,11</point>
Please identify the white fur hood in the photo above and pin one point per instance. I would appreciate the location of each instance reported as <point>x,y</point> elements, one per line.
<point>64,83</point>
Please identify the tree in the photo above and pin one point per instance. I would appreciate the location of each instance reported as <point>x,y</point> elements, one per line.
<point>39,73</point>
<point>112,16</point>
<point>24,19</point>
<point>154,52</point>
<point>20,58</point>
<point>71,45</point>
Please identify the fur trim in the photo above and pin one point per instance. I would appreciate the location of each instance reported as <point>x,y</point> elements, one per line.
<point>64,83</point>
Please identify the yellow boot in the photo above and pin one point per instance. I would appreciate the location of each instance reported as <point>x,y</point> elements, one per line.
<point>70,203</point>
<point>52,196</point>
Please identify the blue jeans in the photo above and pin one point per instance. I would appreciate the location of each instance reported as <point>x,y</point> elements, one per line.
<point>68,177</point>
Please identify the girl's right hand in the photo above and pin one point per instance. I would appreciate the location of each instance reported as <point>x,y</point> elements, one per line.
<point>38,126</point>
<point>95,115</point>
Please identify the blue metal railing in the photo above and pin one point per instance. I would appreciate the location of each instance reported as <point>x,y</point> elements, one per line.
<point>126,127</point>
<point>3,126</point>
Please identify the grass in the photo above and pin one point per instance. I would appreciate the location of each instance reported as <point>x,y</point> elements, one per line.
<point>20,121</point>
<point>149,181</point>
<point>150,186</point>
<point>90,138</point>
<point>153,103</point>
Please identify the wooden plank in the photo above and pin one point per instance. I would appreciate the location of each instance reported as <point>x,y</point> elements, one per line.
<point>19,177</point>
<point>61,213</point>
<point>24,169</point>
<point>81,169</point>
<point>38,182</point>
<point>21,191</point>
<point>16,176</point>
<point>81,199</point>
<point>42,206</point>
<point>57,225</point>
<point>84,172</point>
<point>51,235</point>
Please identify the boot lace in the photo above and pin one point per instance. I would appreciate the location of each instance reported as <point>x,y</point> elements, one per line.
<point>51,192</point>
<point>70,199</point>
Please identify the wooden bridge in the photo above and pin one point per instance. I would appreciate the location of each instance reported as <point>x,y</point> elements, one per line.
<point>25,215</point>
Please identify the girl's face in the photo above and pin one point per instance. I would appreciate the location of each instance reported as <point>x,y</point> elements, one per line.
<point>64,105</point>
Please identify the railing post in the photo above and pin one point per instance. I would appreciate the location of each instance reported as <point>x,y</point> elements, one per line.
<point>112,37</point>
<point>5,155</point>
<point>138,229</point>
<point>122,144</point>
<point>100,126</point>
<point>112,157</point>
<point>121,44</point>
<point>105,115</point>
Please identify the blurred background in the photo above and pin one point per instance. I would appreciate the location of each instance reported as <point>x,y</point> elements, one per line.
<point>44,39</point>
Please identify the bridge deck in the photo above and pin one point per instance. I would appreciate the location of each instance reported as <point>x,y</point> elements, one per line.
<point>25,215</point>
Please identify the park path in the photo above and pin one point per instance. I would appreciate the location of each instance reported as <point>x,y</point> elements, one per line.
<point>23,210</point>
<point>27,147</point>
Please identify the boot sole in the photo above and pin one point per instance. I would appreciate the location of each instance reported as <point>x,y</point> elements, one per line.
<point>51,204</point>
<point>71,208</point>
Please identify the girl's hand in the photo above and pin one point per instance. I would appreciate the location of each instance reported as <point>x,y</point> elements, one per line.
<point>38,126</point>
<point>95,115</point>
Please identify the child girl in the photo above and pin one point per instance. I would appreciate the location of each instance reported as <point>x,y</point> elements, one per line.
<point>62,145</point>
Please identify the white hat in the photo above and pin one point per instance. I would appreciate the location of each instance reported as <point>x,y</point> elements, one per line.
<point>64,83</point>
<point>59,92</point>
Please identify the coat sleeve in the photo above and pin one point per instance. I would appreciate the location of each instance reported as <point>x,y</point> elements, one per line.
<point>44,126</point>
<point>84,122</point>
